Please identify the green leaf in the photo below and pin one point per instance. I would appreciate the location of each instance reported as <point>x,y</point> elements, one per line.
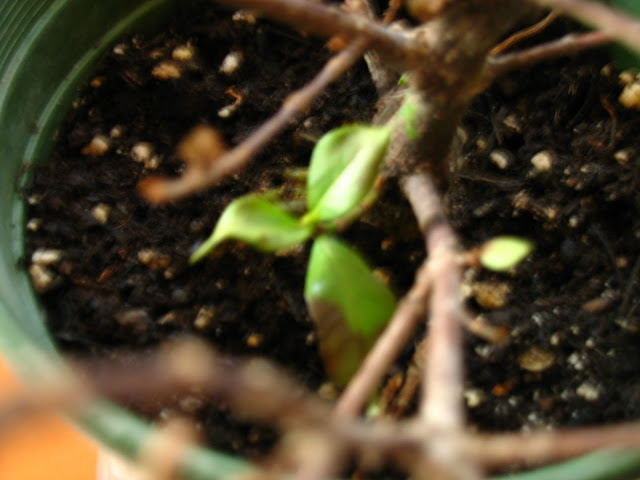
<point>254,220</point>
<point>408,113</point>
<point>629,6</point>
<point>348,303</point>
<point>503,253</point>
<point>344,166</point>
<point>623,56</point>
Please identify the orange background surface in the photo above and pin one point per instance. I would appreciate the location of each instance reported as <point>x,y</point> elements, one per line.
<point>42,447</point>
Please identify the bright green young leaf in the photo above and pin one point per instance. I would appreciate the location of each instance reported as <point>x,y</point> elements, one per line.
<point>503,253</point>
<point>258,222</point>
<point>408,112</point>
<point>348,303</point>
<point>344,165</point>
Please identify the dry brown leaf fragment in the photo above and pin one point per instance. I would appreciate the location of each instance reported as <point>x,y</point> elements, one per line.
<point>201,147</point>
<point>154,189</point>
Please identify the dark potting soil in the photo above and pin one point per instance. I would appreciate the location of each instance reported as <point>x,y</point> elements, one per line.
<point>547,153</point>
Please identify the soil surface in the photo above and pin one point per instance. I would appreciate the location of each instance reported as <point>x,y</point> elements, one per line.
<point>548,154</point>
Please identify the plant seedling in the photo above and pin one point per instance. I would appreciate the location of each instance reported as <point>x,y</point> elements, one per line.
<point>505,252</point>
<point>348,303</point>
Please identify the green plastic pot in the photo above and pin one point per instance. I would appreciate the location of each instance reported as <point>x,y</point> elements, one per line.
<point>47,51</point>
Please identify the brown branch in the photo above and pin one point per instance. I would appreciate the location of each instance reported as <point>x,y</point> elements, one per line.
<point>441,409</point>
<point>328,20</point>
<point>620,26</point>
<point>442,396</point>
<point>567,45</point>
<point>161,190</point>
<point>262,393</point>
<point>545,446</point>
<point>254,389</point>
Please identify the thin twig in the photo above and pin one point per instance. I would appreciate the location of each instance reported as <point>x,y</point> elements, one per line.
<point>615,23</point>
<point>548,446</point>
<point>262,393</point>
<point>162,190</point>
<point>327,20</point>
<point>525,33</point>
<point>441,408</point>
<point>254,389</point>
<point>568,45</point>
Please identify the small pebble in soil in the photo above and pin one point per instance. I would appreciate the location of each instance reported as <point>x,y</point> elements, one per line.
<point>43,278</point>
<point>101,213</point>
<point>116,131</point>
<point>482,328</point>
<point>255,340</point>
<point>98,81</point>
<point>623,156</point>
<point>481,144</point>
<point>622,262</point>
<point>183,53</point>
<point>167,70</point>
<point>521,200</point>
<point>574,221</point>
<point>154,259</point>
<point>542,161</point>
<point>588,391</point>
<point>383,274</point>
<point>157,54</point>
<point>630,95</point>
<point>46,256</point>
<point>577,361</point>
<point>34,199</point>
<point>512,122</point>
<point>120,49</point>
<point>98,146</point>
<point>555,339</point>
<point>502,158</point>
<point>204,317</point>
<point>474,397</point>
<point>247,16</point>
<point>490,295</point>
<point>169,273</point>
<point>536,359</point>
<point>135,319</point>
<point>228,110</point>
<point>142,152</point>
<point>534,421</point>
<point>483,351</point>
<point>34,224</point>
<point>231,62</point>
<point>168,318</point>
